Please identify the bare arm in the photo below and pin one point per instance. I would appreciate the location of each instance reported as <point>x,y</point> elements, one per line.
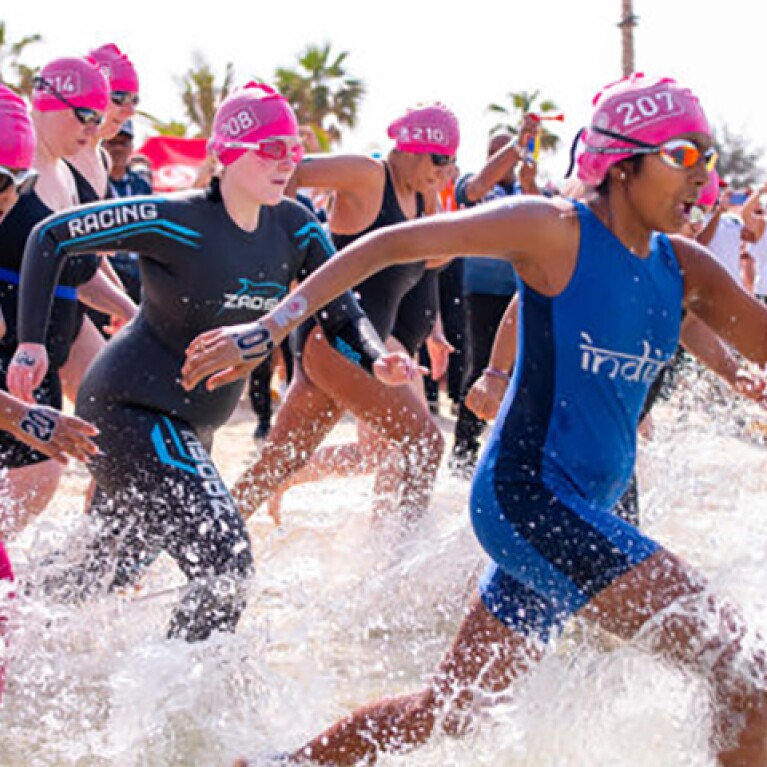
<point>342,173</point>
<point>704,344</point>
<point>535,234</point>
<point>711,294</point>
<point>485,396</point>
<point>102,294</point>
<point>493,171</point>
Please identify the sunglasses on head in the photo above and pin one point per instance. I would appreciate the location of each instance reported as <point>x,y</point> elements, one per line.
<point>84,115</point>
<point>270,149</point>
<point>123,98</point>
<point>22,180</point>
<point>678,153</point>
<point>441,160</point>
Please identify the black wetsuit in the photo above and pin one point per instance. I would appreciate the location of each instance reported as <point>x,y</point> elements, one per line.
<point>418,311</point>
<point>157,487</point>
<point>62,328</point>
<point>382,294</point>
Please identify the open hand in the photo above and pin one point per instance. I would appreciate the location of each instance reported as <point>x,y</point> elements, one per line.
<point>225,354</point>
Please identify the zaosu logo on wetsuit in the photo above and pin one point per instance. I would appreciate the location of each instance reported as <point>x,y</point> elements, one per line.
<point>256,296</point>
<point>630,367</point>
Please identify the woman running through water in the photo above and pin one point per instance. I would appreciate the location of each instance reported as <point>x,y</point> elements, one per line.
<point>68,104</point>
<point>208,258</point>
<point>42,428</point>
<point>399,436</point>
<point>601,300</point>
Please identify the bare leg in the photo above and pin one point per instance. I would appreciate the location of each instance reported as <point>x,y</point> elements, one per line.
<point>485,656</point>
<point>703,632</point>
<point>305,418</point>
<point>328,385</point>
<point>349,459</point>
<point>372,452</point>
<point>395,414</point>
<point>28,490</point>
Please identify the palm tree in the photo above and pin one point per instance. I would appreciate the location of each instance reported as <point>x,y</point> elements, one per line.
<point>163,128</point>
<point>201,95</point>
<point>10,54</point>
<point>522,103</point>
<point>627,23</point>
<point>326,98</point>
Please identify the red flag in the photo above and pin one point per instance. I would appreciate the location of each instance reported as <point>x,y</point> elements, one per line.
<point>175,161</point>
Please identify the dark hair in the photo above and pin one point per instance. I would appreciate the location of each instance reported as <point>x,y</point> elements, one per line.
<point>635,162</point>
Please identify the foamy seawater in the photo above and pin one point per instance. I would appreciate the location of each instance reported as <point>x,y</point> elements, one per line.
<point>341,612</point>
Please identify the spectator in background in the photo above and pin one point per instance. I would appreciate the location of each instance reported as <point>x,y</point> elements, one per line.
<point>723,231</point>
<point>125,181</point>
<point>488,284</point>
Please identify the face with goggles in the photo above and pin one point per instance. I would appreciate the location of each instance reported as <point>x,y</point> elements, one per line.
<point>68,130</point>
<point>122,106</point>
<point>431,171</point>
<point>664,188</point>
<point>265,167</point>
<point>14,183</point>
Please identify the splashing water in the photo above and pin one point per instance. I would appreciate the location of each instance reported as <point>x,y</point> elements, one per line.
<point>341,612</point>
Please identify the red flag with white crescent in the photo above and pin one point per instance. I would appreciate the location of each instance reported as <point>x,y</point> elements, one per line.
<point>175,161</point>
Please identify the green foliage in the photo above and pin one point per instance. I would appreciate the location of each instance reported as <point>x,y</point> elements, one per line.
<point>520,104</point>
<point>201,95</point>
<point>739,160</point>
<point>326,98</point>
<point>163,128</point>
<point>13,72</point>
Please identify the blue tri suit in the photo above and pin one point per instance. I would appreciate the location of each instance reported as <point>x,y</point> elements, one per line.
<point>564,444</point>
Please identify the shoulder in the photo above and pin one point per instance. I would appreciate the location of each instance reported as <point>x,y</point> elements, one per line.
<point>292,212</point>
<point>536,210</point>
<point>696,262</point>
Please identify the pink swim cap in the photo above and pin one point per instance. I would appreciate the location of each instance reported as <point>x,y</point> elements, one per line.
<point>710,192</point>
<point>250,114</point>
<point>431,129</point>
<point>117,68</point>
<point>17,136</point>
<point>78,80</point>
<point>647,110</point>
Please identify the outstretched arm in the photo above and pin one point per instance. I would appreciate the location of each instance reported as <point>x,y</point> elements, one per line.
<point>713,296</point>
<point>704,344</point>
<point>516,230</point>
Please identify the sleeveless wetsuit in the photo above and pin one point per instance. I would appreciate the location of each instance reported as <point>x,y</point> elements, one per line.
<point>157,487</point>
<point>381,294</point>
<point>418,311</point>
<point>64,324</point>
<point>564,444</point>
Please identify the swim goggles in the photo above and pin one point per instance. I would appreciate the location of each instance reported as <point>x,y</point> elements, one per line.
<point>22,180</point>
<point>123,98</point>
<point>84,115</point>
<point>442,160</point>
<point>678,153</point>
<point>270,149</point>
